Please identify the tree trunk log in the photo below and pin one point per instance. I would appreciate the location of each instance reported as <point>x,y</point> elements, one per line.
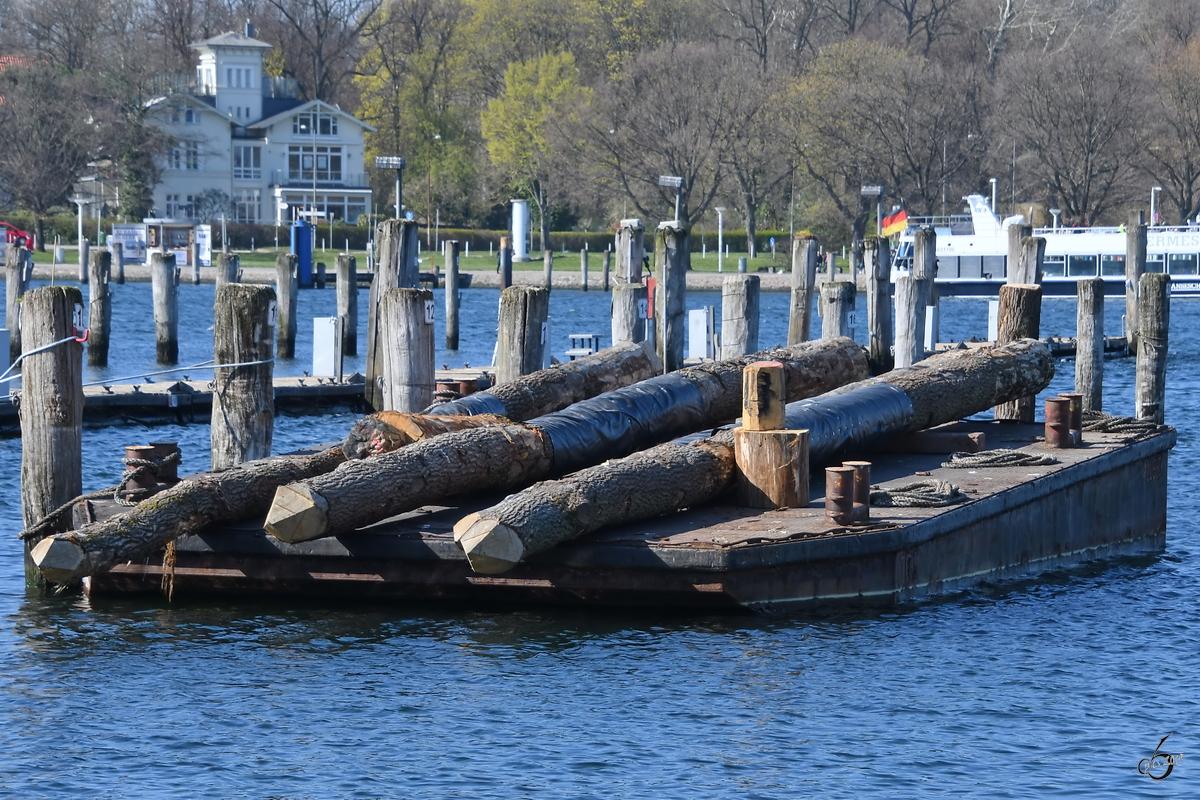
<point>661,480</point>
<point>390,430</point>
<point>188,507</point>
<point>613,425</point>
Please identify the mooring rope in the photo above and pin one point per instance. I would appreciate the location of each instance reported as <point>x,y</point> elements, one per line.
<point>998,458</point>
<point>1099,422</point>
<point>920,494</point>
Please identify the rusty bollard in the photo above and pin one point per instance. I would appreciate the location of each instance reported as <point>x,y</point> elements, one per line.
<point>839,495</point>
<point>168,469</point>
<point>1058,423</point>
<point>862,489</point>
<point>141,480</point>
<point>1076,416</point>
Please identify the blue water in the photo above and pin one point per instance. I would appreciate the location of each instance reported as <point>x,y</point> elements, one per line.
<point>1056,686</point>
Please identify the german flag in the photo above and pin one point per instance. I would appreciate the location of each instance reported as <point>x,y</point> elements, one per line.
<point>896,223</point>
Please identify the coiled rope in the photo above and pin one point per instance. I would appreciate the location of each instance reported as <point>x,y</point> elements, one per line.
<point>920,494</point>
<point>998,458</point>
<point>1099,422</point>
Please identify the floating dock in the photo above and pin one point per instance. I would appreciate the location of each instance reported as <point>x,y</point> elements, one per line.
<point>1105,498</point>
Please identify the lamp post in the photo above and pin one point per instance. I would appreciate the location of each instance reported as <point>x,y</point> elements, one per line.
<point>1056,212</point>
<point>1153,215</point>
<point>675,182</point>
<point>437,137</point>
<point>396,163</point>
<point>993,180</point>
<point>720,238</point>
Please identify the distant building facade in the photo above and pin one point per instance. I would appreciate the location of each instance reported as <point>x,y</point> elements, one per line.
<point>247,147</point>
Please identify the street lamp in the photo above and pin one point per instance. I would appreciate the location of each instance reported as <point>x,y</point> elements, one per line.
<point>720,238</point>
<point>437,137</point>
<point>1056,212</point>
<point>676,183</point>
<point>1153,215</point>
<point>993,180</point>
<point>396,163</point>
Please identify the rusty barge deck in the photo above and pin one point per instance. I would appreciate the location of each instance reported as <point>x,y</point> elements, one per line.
<point>1105,498</point>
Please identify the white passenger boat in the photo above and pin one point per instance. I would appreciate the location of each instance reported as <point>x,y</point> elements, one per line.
<point>972,250</point>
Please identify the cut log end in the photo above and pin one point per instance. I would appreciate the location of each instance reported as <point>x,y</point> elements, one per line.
<point>491,546</point>
<point>297,514</point>
<point>60,560</point>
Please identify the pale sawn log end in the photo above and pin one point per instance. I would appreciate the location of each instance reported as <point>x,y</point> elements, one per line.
<point>491,547</point>
<point>60,560</point>
<point>297,514</point>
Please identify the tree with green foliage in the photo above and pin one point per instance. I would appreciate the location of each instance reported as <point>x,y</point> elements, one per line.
<point>516,126</point>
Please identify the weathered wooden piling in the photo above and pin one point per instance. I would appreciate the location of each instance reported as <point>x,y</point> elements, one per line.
<point>320,283</point>
<point>243,398</point>
<point>227,269</point>
<point>408,349</point>
<point>1020,318</point>
<point>164,283</point>
<point>194,257</point>
<point>910,321</point>
<point>671,262</point>
<point>1089,343</point>
<point>772,463</point>
<point>453,295</point>
<point>99,310</point>
<point>804,277</point>
<point>506,262</point>
<point>548,268</point>
<point>1135,267</point>
<point>287,284</point>
<point>629,312</point>
<point>387,277</point>
<point>1154,316</point>
<point>84,255</point>
<point>739,315</point>
<point>521,340</point>
<point>1015,268</point>
<point>583,269</point>
<point>1033,255</point>
<point>630,251</point>
<point>118,261</point>
<point>604,284</point>
<point>347,302</point>
<point>14,290</point>
<point>837,299</point>
<point>51,409</point>
<point>879,304</point>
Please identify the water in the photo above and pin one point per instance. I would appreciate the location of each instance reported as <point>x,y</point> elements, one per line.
<point>1050,687</point>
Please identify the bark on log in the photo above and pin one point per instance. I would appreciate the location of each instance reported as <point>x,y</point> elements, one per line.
<point>363,492</point>
<point>188,507</point>
<point>940,389</point>
<point>386,431</point>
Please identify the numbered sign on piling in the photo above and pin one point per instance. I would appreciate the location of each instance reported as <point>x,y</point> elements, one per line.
<point>643,308</point>
<point>428,312</point>
<point>77,318</point>
<point>272,313</point>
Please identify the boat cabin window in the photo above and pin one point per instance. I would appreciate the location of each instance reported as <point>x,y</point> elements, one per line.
<point>1154,263</point>
<point>1182,263</point>
<point>1112,265</point>
<point>1053,266</point>
<point>1081,266</point>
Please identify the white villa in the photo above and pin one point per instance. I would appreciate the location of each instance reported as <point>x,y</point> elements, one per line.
<point>274,156</point>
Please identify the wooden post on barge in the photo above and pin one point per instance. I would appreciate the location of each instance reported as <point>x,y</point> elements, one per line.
<point>286,287</point>
<point>84,254</point>
<point>879,305</point>
<point>347,302</point>
<point>408,349</point>
<point>521,340</point>
<point>1154,313</point>
<point>1135,267</point>
<point>118,260</point>
<point>837,300</point>
<point>583,269</point>
<point>14,290</point>
<point>453,295</point>
<point>164,282</point>
<point>739,315</point>
<point>1020,318</point>
<point>1089,343</point>
<point>1016,270</point>
<point>804,277</point>
<point>671,262</point>
<point>227,269</point>
<point>51,410</point>
<point>772,462</point>
<point>99,310</point>
<point>243,398</point>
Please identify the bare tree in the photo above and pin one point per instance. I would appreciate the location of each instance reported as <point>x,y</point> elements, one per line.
<point>1172,157</point>
<point>924,20</point>
<point>319,41</point>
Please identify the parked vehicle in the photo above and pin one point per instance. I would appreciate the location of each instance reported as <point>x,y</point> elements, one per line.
<point>14,235</point>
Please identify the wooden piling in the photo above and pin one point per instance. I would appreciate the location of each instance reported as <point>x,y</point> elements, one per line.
<point>391,241</point>
<point>1154,316</point>
<point>243,398</point>
<point>347,302</point>
<point>320,282</point>
<point>629,312</point>
<point>910,321</point>
<point>1020,318</point>
<point>51,410</point>
<point>630,246</point>
<point>521,340</point>
<point>1033,255</point>
<point>772,463</point>
<point>1089,343</point>
<point>227,269</point>
<point>804,277</point>
<point>671,262</point>
<point>14,289</point>
<point>879,305</point>
<point>99,310</point>
<point>118,261</point>
<point>84,253</point>
<point>505,264</point>
<point>1135,267</point>
<point>837,299</point>
<point>1015,269</point>
<point>739,315</point>
<point>164,283</point>
<point>408,349</point>
<point>194,258</point>
<point>547,268</point>
<point>604,285</point>
<point>583,269</point>
<point>453,295</point>
<point>286,287</point>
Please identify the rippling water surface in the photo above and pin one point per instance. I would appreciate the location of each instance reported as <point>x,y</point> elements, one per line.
<point>1050,687</point>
